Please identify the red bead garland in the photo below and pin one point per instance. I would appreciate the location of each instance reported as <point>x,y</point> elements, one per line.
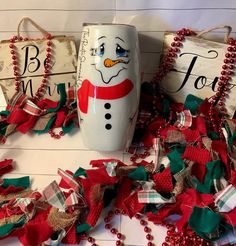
<point>120,236</point>
<point>113,230</point>
<point>146,229</point>
<point>175,238</point>
<point>56,135</point>
<point>16,70</point>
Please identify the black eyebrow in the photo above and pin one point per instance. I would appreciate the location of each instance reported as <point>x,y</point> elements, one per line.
<point>120,39</point>
<point>101,37</point>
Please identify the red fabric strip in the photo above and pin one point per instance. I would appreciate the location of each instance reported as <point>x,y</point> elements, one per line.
<point>94,214</point>
<point>100,176</point>
<point>191,135</point>
<point>163,181</point>
<point>6,166</point>
<point>199,155</point>
<point>221,148</point>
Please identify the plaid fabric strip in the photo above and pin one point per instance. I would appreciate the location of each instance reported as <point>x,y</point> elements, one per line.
<point>54,196</point>
<point>111,168</point>
<point>32,108</point>
<point>18,99</point>
<point>228,239</point>
<point>151,196</point>
<point>23,203</point>
<point>69,180</point>
<point>75,199</point>
<point>71,95</point>
<point>71,200</point>
<point>225,200</point>
<point>184,119</point>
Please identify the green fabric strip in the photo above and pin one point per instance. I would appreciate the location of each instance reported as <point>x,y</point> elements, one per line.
<point>139,174</point>
<point>80,172</point>
<point>231,139</point>
<point>176,163</point>
<point>5,112</point>
<point>62,92</point>
<point>204,221</point>
<point>192,102</point>
<point>17,182</point>
<point>8,228</point>
<point>82,228</point>
<point>67,129</point>
<point>215,170</point>
<point>3,128</point>
<point>213,135</point>
<point>166,108</point>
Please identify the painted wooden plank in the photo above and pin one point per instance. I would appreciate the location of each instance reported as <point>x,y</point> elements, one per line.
<point>31,58</point>
<point>197,70</point>
<point>209,56</point>
<point>31,84</point>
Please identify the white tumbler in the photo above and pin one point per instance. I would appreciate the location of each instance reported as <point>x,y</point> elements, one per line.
<point>108,83</point>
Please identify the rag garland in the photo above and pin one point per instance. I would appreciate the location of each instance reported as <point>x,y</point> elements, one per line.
<point>23,114</point>
<point>193,176</point>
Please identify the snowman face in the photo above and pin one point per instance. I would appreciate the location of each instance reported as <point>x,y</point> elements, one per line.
<point>110,58</point>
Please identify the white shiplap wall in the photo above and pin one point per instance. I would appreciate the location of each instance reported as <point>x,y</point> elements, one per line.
<point>40,156</point>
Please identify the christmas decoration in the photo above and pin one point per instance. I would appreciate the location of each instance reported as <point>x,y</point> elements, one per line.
<point>192,176</point>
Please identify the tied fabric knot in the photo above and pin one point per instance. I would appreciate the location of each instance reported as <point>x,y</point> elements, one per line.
<point>149,195</point>
<point>55,197</point>
<point>24,205</point>
<point>184,119</point>
<point>32,109</point>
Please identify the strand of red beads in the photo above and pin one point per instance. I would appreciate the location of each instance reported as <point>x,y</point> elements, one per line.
<point>56,135</point>
<point>89,239</point>
<point>223,86</point>
<point>174,238</point>
<point>113,230</point>
<point>16,68</point>
<point>146,229</point>
<point>142,155</point>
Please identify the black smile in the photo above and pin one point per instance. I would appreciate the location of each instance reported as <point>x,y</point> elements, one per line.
<point>123,68</point>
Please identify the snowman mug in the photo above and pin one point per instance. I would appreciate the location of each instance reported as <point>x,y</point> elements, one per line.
<point>108,81</point>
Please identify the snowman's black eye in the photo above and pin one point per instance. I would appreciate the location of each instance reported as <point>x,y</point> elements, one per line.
<point>121,52</point>
<point>99,51</point>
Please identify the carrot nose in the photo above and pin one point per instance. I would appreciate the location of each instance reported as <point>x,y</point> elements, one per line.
<point>110,63</point>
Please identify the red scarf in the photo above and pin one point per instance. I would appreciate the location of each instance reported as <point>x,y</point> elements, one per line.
<point>101,92</point>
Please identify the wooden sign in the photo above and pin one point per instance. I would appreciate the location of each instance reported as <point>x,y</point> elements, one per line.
<point>31,56</point>
<point>197,70</point>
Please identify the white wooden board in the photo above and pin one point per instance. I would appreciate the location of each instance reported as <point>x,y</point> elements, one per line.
<point>31,56</point>
<point>197,70</point>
